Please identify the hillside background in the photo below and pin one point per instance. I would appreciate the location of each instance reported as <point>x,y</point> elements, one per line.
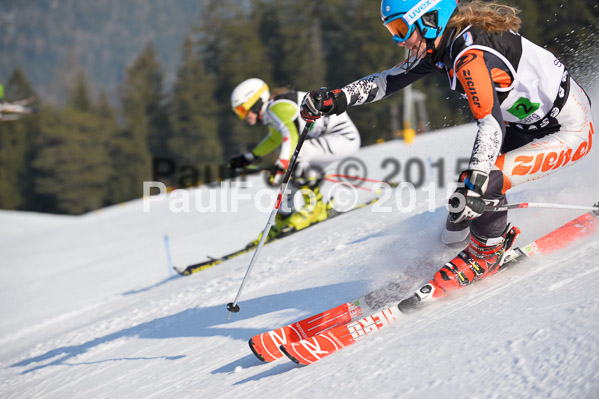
<point>122,84</point>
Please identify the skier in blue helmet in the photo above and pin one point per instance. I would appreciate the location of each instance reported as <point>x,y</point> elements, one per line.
<point>533,118</point>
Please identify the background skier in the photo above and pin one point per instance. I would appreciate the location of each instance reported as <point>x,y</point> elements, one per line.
<point>331,138</point>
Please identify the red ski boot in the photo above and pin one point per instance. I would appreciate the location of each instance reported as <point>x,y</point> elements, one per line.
<point>481,258</point>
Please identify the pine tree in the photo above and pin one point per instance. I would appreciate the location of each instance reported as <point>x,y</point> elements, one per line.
<point>304,53</point>
<point>79,96</point>
<point>107,121</point>
<point>230,46</point>
<point>193,115</point>
<point>144,113</point>
<point>267,14</point>
<point>73,163</point>
<point>144,97</point>
<point>18,145</point>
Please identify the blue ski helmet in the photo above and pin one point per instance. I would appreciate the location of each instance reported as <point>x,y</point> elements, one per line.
<point>430,15</point>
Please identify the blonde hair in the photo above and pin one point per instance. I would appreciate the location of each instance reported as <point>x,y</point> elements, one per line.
<point>488,16</point>
<point>279,90</point>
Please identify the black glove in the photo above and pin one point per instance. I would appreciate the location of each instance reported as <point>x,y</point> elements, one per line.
<point>241,161</point>
<point>467,202</point>
<point>277,173</point>
<point>317,103</point>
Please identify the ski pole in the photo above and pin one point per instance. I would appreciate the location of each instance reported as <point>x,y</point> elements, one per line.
<point>233,307</point>
<point>499,208</point>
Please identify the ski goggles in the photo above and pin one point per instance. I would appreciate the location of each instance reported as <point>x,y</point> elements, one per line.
<point>399,28</point>
<point>242,109</point>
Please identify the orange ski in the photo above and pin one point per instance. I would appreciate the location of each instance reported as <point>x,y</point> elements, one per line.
<point>314,348</point>
<point>266,345</point>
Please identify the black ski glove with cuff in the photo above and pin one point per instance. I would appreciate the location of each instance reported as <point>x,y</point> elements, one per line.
<point>467,202</point>
<point>318,103</point>
<point>241,161</point>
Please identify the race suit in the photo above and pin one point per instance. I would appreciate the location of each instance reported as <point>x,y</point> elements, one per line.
<point>533,118</point>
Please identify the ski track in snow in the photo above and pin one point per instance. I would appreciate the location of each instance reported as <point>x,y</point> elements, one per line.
<point>89,308</point>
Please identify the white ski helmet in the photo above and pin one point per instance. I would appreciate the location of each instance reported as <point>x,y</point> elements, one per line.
<point>249,94</point>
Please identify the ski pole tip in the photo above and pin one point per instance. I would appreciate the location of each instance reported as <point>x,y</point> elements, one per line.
<point>233,307</point>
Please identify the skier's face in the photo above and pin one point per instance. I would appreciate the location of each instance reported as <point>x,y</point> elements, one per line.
<point>415,43</point>
<point>251,118</point>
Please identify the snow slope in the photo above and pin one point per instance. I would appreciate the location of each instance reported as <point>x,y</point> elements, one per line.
<point>89,308</point>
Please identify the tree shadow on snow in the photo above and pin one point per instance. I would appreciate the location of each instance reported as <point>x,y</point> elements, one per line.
<point>206,322</point>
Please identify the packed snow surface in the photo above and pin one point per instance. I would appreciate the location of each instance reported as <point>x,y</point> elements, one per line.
<point>90,309</point>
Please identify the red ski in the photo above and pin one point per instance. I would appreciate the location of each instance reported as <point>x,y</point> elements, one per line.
<point>266,345</point>
<point>312,349</point>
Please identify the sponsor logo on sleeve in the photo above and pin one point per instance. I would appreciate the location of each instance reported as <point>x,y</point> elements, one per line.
<point>465,60</point>
<point>471,89</point>
<point>468,39</point>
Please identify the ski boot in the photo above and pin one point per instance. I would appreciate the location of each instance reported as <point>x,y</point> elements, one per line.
<point>331,211</point>
<point>481,258</point>
<point>280,228</point>
<point>308,215</point>
<point>298,220</point>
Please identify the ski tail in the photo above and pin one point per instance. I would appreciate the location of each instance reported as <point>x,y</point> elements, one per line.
<point>266,346</point>
<point>312,349</point>
<point>211,262</point>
